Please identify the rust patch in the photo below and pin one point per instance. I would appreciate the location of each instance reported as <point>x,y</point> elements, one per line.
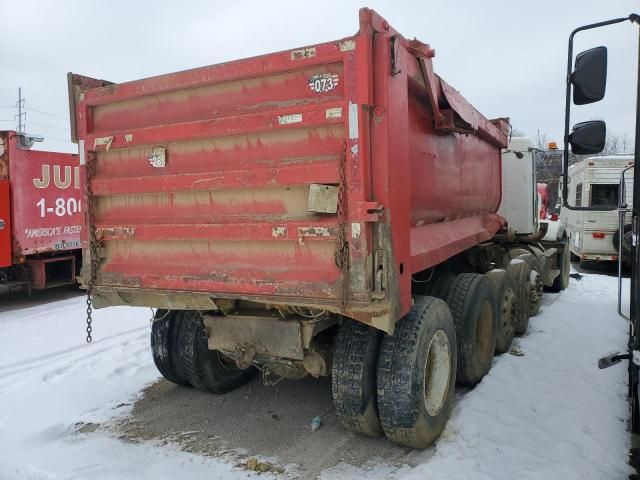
<point>128,233</point>
<point>103,142</point>
<point>4,156</point>
<point>316,231</point>
<point>303,53</point>
<point>279,232</point>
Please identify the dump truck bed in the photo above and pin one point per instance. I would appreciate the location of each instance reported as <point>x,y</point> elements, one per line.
<point>319,176</point>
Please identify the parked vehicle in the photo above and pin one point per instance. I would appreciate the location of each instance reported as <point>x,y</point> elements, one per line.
<point>547,215</point>
<point>326,210</point>
<point>594,182</point>
<point>40,215</point>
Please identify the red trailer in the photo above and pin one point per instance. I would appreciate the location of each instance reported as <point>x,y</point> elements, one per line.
<point>326,210</point>
<point>40,215</point>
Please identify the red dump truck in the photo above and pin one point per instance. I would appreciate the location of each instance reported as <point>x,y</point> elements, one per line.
<point>40,215</point>
<point>325,210</point>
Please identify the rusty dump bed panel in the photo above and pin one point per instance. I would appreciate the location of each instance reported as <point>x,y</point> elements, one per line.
<point>324,175</point>
<point>45,201</point>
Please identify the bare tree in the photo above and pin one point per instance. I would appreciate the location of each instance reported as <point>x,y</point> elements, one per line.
<point>542,140</point>
<point>617,143</point>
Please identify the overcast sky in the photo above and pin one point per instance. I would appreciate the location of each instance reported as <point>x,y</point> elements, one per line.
<point>507,57</point>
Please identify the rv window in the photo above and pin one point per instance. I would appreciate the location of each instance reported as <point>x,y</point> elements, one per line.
<point>578,195</point>
<point>604,195</point>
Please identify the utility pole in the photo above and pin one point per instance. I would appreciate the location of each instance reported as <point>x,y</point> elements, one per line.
<point>21,124</point>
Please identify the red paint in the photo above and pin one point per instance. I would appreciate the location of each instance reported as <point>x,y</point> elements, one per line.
<point>245,139</point>
<point>38,269</point>
<point>45,216</point>
<point>543,208</point>
<point>5,224</point>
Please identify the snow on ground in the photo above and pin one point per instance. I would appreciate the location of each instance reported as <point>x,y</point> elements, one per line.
<point>51,383</point>
<point>547,414</point>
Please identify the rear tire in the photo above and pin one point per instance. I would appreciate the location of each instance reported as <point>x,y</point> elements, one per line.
<point>353,381</point>
<point>473,307</point>
<point>163,330</point>
<point>417,374</point>
<point>521,273</point>
<point>536,283</point>
<point>507,303</point>
<point>205,369</point>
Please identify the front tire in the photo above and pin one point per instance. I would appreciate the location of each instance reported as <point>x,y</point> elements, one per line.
<point>417,374</point>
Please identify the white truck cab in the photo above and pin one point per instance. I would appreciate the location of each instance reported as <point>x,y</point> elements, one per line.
<point>521,200</point>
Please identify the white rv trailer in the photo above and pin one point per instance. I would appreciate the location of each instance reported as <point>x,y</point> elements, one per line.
<point>595,182</point>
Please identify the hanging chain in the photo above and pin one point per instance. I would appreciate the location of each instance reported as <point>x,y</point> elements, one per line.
<point>93,241</point>
<point>342,251</point>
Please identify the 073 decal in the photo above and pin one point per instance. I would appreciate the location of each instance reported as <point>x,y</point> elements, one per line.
<point>323,82</point>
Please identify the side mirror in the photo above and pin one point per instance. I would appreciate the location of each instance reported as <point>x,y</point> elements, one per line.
<point>588,138</point>
<point>589,77</point>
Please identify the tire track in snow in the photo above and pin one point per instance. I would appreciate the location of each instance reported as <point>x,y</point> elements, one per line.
<point>55,365</point>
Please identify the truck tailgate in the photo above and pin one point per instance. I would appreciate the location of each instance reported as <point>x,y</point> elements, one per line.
<point>223,179</point>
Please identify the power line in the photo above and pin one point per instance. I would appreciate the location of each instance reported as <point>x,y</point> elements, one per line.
<point>49,125</point>
<point>47,137</point>
<point>59,99</point>
<point>46,113</point>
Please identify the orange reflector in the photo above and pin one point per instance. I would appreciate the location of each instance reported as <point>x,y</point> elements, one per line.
<point>598,234</point>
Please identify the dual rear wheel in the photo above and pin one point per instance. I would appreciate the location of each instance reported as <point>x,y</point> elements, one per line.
<point>181,354</point>
<point>403,384</point>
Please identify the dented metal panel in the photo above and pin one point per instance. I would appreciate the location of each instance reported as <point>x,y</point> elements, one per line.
<point>276,178</point>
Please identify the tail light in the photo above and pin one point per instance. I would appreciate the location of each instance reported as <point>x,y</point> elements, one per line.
<point>598,235</point>
<point>554,217</point>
